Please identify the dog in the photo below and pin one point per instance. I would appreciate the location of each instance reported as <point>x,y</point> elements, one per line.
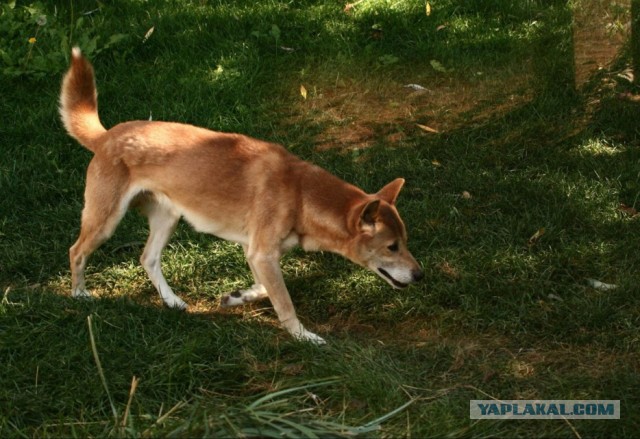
<point>232,186</point>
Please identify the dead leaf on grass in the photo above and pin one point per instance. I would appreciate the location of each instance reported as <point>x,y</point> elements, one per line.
<point>349,6</point>
<point>536,236</point>
<point>629,210</point>
<point>416,87</point>
<point>427,129</point>
<point>303,91</point>
<point>148,34</point>
<point>448,270</point>
<point>600,286</point>
<point>521,369</point>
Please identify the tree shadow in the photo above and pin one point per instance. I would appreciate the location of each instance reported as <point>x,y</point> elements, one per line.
<point>504,141</point>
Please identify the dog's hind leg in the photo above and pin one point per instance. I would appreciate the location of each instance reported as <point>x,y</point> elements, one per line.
<point>255,293</point>
<point>162,222</point>
<point>105,205</point>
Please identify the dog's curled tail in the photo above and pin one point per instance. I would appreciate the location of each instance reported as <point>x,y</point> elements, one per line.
<point>79,102</point>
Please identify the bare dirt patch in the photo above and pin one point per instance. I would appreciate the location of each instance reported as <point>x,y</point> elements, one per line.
<point>356,115</point>
<point>599,32</point>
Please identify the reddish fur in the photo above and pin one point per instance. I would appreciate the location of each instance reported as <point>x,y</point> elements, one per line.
<point>248,190</point>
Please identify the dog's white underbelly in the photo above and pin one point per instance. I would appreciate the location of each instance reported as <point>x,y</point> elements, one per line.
<point>206,225</point>
<point>229,232</point>
<point>202,223</point>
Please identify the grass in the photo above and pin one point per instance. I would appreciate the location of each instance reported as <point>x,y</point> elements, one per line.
<point>499,315</point>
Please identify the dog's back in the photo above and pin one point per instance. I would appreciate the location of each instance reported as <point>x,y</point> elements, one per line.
<point>241,189</point>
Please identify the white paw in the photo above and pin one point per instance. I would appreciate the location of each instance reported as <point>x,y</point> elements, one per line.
<point>231,299</point>
<point>174,302</point>
<point>308,336</point>
<point>298,331</point>
<point>239,297</point>
<point>81,293</point>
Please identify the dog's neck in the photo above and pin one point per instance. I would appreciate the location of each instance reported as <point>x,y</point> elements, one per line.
<point>325,209</point>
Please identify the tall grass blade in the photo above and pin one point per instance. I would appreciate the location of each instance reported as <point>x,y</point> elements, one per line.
<point>96,358</point>
<point>376,423</point>
<point>274,395</point>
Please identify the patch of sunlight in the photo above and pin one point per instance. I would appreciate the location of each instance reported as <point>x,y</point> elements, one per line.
<point>376,5</point>
<point>222,73</point>
<point>598,147</point>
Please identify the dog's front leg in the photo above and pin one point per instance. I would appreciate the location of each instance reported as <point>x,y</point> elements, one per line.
<point>253,294</point>
<point>268,273</point>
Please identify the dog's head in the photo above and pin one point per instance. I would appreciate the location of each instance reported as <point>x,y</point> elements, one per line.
<point>380,241</point>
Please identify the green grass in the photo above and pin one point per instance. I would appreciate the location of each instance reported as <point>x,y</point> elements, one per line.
<point>499,314</point>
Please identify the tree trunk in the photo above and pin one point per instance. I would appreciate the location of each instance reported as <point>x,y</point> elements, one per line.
<point>635,39</point>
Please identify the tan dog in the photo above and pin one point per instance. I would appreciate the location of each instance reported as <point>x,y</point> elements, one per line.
<point>237,188</point>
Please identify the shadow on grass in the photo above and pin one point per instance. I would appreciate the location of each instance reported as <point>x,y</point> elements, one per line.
<point>498,308</point>
<point>223,66</point>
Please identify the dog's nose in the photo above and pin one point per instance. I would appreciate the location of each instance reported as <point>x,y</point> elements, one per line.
<point>418,275</point>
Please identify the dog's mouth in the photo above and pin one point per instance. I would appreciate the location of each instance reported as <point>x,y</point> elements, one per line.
<point>394,282</point>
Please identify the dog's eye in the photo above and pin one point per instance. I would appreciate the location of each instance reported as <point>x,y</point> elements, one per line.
<point>393,247</point>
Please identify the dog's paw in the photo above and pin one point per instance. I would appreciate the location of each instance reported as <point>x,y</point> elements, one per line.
<point>239,297</point>
<point>298,331</point>
<point>175,302</point>
<point>310,337</point>
<point>231,299</point>
<point>81,293</point>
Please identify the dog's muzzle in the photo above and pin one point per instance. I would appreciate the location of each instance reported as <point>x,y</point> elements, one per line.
<point>416,276</point>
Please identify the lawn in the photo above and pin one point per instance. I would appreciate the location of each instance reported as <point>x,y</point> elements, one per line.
<point>523,188</point>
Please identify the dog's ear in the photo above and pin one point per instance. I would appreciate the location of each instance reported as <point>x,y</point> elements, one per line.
<point>369,215</point>
<point>390,192</point>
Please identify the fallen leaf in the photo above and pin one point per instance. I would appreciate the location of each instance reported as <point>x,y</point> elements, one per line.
<point>536,236</point>
<point>428,9</point>
<point>555,297</point>
<point>521,369</point>
<point>436,163</point>
<point>629,210</point>
<point>349,6</point>
<point>148,34</point>
<point>427,129</point>
<point>442,26</point>
<point>416,87</point>
<point>303,91</point>
<point>448,270</point>
<point>466,195</point>
<point>627,75</point>
<point>601,286</point>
